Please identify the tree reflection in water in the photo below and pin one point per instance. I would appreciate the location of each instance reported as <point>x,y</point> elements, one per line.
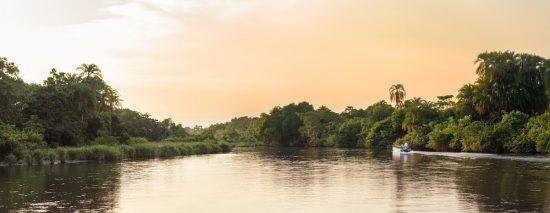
<point>68,187</point>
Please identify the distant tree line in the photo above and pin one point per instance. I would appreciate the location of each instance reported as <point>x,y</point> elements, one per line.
<point>504,110</point>
<point>69,109</point>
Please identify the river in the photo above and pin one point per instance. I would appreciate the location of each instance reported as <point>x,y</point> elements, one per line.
<point>286,180</point>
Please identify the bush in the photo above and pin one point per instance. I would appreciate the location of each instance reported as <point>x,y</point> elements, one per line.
<point>62,155</point>
<point>538,131</point>
<point>416,140</point>
<point>10,159</point>
<point>509,132</point>
<point>447,136</point>
<point>145,150</point>
<point>51,156</point>
<point>348,134</point>
<point>225,147</point>
<point>478,137</point>
<point>13,140</point>
<point>38,156</point>
<point>135,140</point>
<point>440,138</point>
<point>382,135</point>
<point>118,152</point>
<point>169,150</point>
<point>105,140</point>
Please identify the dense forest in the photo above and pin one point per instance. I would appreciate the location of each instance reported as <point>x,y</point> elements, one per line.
<point>504,110</point>
<point>78,110</point>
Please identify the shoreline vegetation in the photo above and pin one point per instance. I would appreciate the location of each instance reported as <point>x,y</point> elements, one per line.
<point>506,110</point>
<point>77,116</point>
<point>117,152</point>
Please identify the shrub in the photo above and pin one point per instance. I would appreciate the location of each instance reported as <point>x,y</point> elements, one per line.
<point>38,156</point>
<point>200,149</point>
<point>538,131</point>
<point>478,137</point>
<point>105,140</point>
<point>119,152</point>
<point>440,138</point>
<point>10,159</point>
<point>135,140</point>
<point>348,134</point>
<point>509,132</point>
<point>447,136</point>
<point>381,135</point>
<point>62,155</point>
<point>51,156</point>
<point>415,139</point>
<point>144,150</point>
<point>225,147</point>
<point>169,150</point>
<point>13,140</point>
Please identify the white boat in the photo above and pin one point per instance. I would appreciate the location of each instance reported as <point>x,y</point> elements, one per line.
<point>401,149</point>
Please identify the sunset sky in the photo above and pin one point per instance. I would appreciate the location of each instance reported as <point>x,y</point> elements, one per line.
<point>202,62</point>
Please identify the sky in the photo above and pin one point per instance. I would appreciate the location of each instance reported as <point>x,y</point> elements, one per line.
<point>204,62</point>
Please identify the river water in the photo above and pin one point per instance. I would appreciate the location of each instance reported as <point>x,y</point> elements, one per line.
<point>286,180</point>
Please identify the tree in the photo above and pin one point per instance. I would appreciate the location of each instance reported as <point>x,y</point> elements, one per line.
<point>90,71</point>
<point>317,125</point>
<point>282,126</point>
<point>381,135</point>
<point>348,134</point>
<point>418,113</point>
<point>397,94</point>
<point>538,131</point>
<point>508,81</point>
<point>12,92</point>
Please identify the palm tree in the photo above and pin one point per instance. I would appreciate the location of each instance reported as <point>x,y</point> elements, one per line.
<point>89,71</point>
<point>397,94</point>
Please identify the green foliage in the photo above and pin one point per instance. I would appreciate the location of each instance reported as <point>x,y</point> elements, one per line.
<point>480,137</point>
<point>377,112</point>
<point>318,126</point>
<point>105,140</point>
<point>446,136</point>
<point>348,134</point>
<point>416,140</point>
<point>141,125</point>
<point>242,131</point>
<point>501,112</point>
<point>382,135</point>
<point>441,137</point>
<point>507,81</point>
<point>10,159</point>
<point>134,140</point>
<point>15,141</point>
<point>109,153</point>
<point>509,132</point>
<point>282,126</point>
<point>12,93</point>
<point>418,113</point>
<point>538,131</point>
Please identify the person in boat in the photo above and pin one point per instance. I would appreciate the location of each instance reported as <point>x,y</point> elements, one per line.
<point>405,147</point>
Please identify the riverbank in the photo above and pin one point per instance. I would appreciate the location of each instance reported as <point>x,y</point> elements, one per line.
<point>112,153</point>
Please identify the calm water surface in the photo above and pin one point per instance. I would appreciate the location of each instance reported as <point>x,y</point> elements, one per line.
<point>286,180</point>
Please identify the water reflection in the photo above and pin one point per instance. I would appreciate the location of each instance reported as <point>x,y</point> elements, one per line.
<point>501,185</point>
<point>70,187</point>
<point>284,180</point>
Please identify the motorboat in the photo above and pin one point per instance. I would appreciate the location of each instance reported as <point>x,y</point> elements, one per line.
<point>402,148</point>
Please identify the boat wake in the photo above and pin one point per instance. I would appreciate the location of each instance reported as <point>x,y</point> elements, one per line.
<point>530,158</point>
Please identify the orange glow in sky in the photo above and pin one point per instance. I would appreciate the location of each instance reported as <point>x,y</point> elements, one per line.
<point>202,62</point>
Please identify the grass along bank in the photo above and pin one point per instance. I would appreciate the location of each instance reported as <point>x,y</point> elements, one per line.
<point>112,153</point>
